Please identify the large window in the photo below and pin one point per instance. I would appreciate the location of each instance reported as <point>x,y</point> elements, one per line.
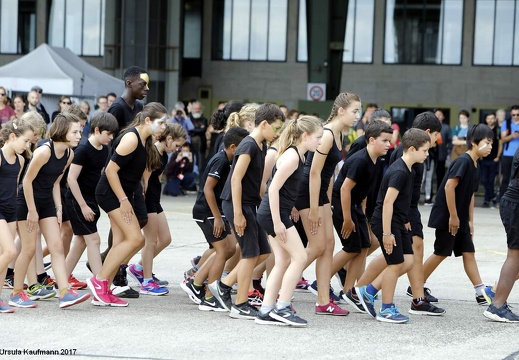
<point>423,32</point>
<point>358,37</point>
<point>17,26</point>
<point>250,30</point>
<point>496,36</point>
<point>78,25</point>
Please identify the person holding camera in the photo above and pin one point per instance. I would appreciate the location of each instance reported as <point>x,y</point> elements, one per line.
<point>180,172</point>
<point>179,117</point>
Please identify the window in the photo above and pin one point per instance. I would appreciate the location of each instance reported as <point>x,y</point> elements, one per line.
<point>496,35</point>
<point>250,30</point>
<point>17,26</point>
<point>423,32</point>
<point>358,37</point>
<point>78,25</point>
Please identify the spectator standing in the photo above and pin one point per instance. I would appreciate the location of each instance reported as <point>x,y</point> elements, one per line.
<point>443,146</point>
<point>510,140</point>
<point>6,112</point>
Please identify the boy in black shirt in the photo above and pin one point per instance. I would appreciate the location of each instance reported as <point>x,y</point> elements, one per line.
<point>453,209</point>
<point>208,214</point>
<point>389,225</point>
<point>353,184</point>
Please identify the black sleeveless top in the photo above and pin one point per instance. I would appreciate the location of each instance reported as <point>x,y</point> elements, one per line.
<point>154,185</point>
<point>288,192</point>
<point>44,181</point>
<point>8,185</point>
<point>131,166</point>
<point>332,159</point>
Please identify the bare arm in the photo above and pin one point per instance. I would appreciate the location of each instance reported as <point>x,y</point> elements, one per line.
<point>240,168</point>
<point>450,197</point>
<point>348,225</point>
<point>270,161</point>
<point>388,240</point>
<point>210,197</point>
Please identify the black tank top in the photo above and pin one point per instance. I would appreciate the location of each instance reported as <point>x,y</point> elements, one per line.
<point>332,159</point>
<point>154,185</point>
<point>8,176</point>
<point>44,181</point>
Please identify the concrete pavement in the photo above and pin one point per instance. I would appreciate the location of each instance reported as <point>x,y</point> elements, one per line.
<point>171,327</point>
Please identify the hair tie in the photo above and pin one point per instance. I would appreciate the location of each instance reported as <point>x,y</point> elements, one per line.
<point>15,126</point>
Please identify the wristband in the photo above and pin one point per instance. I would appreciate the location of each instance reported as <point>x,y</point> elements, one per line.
<point>124,198</point>
<point>388,234</point>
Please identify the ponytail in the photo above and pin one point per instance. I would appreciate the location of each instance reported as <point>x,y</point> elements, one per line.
<point>294,130</point>
<point>343,100</point>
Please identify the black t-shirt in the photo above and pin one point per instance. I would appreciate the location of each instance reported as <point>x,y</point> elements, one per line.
<point>360,168</point>
<point>251,182</point>
<point>397,176</point>
<point>218,168</point>
<point>512,192</point>
<point>123,112</point>
<point>463,168</point>
<point>92,162</point>
<point>418,169</point>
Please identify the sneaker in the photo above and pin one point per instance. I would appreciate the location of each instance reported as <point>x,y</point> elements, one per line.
<point>367,300</point>
<point>9,283</point>
<point>72,298</point>
<point>99,289</point>
<point>488,294</point>
<point>138,275</point>
<point>49,283</point>
<point>353,300</point>
<point>425,308</point>
<point>255,298</point>
<point>330,309</point>
<point>256,284</point>
<point>428,202</point>
<point>223,296</point>
<point>195,260</point>
<point>189,274</point>
<point>481,300</point>
<point>287,316</point>
<point>21,300</point>
<point>47,265</point>
<point>152,288</point>
<point>302,285</point>
<point>113,301</point>
<point>195,293</point>
<point>124,292</point>
<point>341,276</point>
<point>40,292</point>
<point>210,305</point>
<point>427,292</point>
<point>392,315</point>
<point>4,308</point>
<point>266,319</point>
<point>75,284</point>
<point>244,311</point>
<point>502,314</point>
<point>162,283</point>
<point>333,297</point>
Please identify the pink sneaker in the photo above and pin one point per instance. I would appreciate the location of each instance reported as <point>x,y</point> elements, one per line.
<point>302,285</point>
<point>115,301</point>
<point>99,289</point>
<point>330,309</point>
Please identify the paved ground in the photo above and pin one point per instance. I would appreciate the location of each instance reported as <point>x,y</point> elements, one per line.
<point>171,327</point>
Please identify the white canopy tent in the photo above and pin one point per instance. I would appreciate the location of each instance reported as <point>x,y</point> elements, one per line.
<point>57,71</point>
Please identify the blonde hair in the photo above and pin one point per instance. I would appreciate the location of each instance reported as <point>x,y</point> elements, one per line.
<point>247,113</point>
<point>38,125</point>
<point>294,130</point>
<point>343,100</point>
<point>17,127</point>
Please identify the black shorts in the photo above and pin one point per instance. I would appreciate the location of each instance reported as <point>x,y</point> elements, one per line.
<point>265,222</point>
<point>358,239</point>
<point>445,243</point>
<point>45,207</point>
<point>8,213</point>
<point>303,200</point>
<point>153,207</point>
<point>80,226</point>
<point>64,215</point>
<point>207,226</point>
<point>415,219</point>
<point>404,242</point>
<point>109,202</point>
<point>254,241</point>
<point>509,212</point>
<point>139,204</point>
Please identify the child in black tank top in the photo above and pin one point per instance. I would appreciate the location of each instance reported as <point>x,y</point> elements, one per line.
<point>39,205</point>
<point>316,216</point>
<point>134,152</point>
<point>15,136</point>
<point>299,136</point>
<point>156,232</point>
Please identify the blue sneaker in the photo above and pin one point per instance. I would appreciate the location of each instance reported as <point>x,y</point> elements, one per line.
<point>313,290</point>
<point>21,300</point>
<point>502,314</point>
<point>392,315</point>
<point>367,300</point>
<point>4,308</point>
<point>152,288</point>
<point>72,298</point>
<point>488,294</point>
<point>138,275</point>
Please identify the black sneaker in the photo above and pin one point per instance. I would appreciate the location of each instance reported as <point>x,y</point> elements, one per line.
<point>162,283</point>
<point>120,283</point>
<point>266,319</point>
<point>47,265</point>
<point>287,316</point>
<point>480,299</point>
<point>354,301</point>
<point>195,293</point>
<point>9,282</point>
<point>244,311</point>
<point>427,292</point>
<point>210,305</point>
<point>256,284</point>
<point>425,308</point>
<point>222,295</point>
